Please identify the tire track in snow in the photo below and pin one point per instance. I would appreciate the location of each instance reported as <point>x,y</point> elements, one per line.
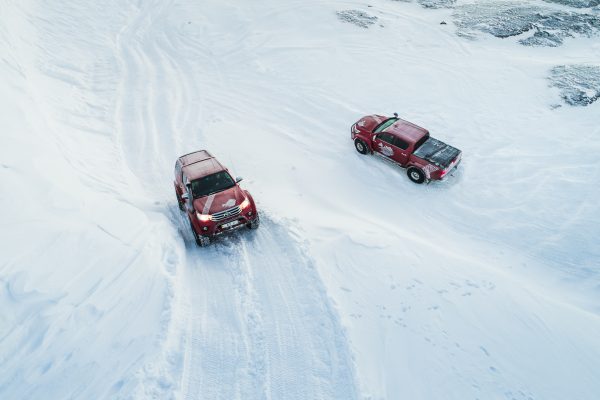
<point>266,329</point>
<point>251,314</point>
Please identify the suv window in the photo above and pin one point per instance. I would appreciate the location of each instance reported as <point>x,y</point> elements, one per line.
<point>212,184</point>
<point>386,137</point>
<point>400,143</point>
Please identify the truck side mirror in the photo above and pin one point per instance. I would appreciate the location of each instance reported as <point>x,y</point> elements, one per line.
<point>238,179</point>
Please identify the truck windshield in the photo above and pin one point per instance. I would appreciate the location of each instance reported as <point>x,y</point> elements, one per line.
<point>385,124</point>
<point>212,184</point>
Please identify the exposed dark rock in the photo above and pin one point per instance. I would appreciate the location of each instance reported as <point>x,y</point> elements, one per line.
<point>437,3</point>
<point>357,17</point>
<point>432,3</point>
<point>576,3</point>
<point>542,38</point>
<point>579,84</point>
<point>545,26</point>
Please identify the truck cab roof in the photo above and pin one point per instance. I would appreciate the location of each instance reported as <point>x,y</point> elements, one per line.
<point>200,164</point>
<point>407,131</point>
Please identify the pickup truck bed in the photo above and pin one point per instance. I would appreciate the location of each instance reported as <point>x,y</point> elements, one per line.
<point>437,152</point>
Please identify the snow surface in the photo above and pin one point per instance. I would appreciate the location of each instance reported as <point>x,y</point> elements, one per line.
<point>359,284</point>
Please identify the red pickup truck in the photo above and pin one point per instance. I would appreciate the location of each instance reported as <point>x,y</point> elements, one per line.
<point>211,198</point>
<point>406,144</point>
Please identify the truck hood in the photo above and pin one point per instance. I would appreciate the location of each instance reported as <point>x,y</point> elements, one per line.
<point>370,122</point>
<point>437,152</point>
<point>220,201</point>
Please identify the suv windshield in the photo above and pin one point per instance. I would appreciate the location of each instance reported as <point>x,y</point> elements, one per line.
<point>385,124</point>
<point>212,184</point>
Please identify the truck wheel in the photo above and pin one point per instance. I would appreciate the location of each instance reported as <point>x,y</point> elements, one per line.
<point>416,175</point>
<point>201,241</point>
<point>361,146</point>
<point>254,224</point>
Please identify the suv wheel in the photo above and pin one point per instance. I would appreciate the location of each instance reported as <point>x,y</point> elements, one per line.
<point>361,146</point>
<point>416,175</point>
<point>254,224</point>
<point>201,241</point>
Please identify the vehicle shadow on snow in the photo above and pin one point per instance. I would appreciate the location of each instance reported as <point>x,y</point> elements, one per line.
<point>397,175</point>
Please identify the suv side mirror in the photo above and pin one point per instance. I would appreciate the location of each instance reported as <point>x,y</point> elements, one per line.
<point>185,196</point>
<point>238,179</point>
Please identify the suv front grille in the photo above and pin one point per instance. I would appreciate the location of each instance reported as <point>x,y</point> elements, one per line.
<point>222,215</point>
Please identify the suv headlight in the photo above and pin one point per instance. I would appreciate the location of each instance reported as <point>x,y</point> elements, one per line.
<point>203,217</point>
<point>245,203</point>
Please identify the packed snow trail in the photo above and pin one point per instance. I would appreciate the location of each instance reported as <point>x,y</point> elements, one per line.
<point>253,333</point>
<point>256,319</point>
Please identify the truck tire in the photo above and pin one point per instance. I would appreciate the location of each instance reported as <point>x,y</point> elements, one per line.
<point>201,241</point>
<point>361,146</point>
<point>415,175</point>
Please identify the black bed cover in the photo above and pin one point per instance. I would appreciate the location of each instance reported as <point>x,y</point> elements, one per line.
<point>437,152</point>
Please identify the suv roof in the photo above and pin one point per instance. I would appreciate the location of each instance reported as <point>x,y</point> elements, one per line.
<point>200,164</point>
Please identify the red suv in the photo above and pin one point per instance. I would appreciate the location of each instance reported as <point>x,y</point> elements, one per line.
<point>213,200</point>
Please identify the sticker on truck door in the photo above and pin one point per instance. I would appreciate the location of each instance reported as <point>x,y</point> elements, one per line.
<point>386,150</point>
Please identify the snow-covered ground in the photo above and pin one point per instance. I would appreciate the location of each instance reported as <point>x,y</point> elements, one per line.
<point>359,284</point>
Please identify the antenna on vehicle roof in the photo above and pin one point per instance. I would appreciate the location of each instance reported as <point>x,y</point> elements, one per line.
<point>396,115</point>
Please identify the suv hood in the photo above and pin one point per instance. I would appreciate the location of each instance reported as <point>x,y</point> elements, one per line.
<point>220,201</point>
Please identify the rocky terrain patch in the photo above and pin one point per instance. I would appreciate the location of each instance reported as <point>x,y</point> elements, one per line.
<point>539,26</point>
<point>357,17</point>
<point>579,84</point>
<point>576,3</point>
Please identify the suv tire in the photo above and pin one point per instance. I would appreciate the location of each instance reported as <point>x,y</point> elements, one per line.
<point>254,224</point>
<point>201,241</point>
